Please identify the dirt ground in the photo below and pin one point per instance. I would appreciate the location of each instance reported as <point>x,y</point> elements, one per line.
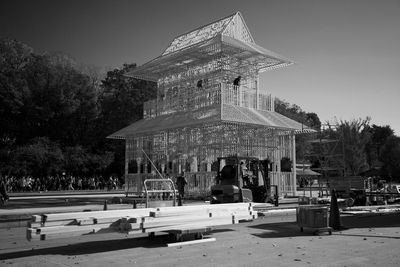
<point>267,241</point>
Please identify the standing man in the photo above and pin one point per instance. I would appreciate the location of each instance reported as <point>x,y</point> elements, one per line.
<point>245,174</point>
<point>180,184</point>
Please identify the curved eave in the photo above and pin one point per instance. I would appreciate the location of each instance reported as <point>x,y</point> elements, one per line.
<point>262,59</point>
<point>173,62</point>
<point>167,122</point>
<point>249,54</point>
<point>264,118</point>
<point>228,113</point>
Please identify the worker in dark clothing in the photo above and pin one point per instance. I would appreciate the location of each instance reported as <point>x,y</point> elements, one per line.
<point>237,81</point>
<point>200,83</point>
<point>180,184</point>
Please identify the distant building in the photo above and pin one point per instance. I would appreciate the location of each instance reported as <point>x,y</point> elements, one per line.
<point>200,114</point>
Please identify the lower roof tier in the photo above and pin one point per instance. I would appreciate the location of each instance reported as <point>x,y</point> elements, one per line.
<point>220,114</point>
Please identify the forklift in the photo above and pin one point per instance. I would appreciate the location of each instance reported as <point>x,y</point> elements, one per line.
<point>241,179</point>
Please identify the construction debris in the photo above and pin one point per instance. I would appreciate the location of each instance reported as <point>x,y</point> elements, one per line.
<point>371,210</point>
<point>191,242</point>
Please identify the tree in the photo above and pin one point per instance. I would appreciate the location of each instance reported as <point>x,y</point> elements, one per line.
<point>122,99</point>
<point>355,137</point>
<point>379,135</point>
<point>43,95</point>
<point>294,112</point>
<point>325,151</point>
<point>390,156</point>
<point>312,120</point>
<point>39,158</point>
<point>75,160</point>
<point>98,163</point>
<point>121,103</point>
<point>61,103</point>
<point>14,59</point>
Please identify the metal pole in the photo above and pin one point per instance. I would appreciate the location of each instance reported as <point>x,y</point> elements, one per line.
<point>343,153</point>
<point>151,162</point>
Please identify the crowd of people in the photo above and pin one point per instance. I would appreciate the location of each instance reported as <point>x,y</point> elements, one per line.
<point>61,182</point>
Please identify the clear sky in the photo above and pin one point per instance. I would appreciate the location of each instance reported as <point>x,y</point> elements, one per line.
<point>347,52</point>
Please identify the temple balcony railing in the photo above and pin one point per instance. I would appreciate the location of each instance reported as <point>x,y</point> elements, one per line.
<point>244,96</point>
<point>197,98</point>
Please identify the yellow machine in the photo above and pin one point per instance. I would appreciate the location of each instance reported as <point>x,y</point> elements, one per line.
<point>241,179</point>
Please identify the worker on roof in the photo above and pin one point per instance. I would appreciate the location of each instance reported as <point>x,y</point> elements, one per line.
<point>237,81</point>
<point>199,83</point>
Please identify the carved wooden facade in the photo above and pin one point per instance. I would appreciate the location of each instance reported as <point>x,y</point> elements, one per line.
<point>203,111</point>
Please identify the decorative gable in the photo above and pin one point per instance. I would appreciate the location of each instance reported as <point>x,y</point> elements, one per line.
<point>201,34</point>
<point>232,26</point>
<point>237,29</point>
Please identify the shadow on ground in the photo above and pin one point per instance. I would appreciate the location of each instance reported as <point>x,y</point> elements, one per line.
<point>92,247</point>
<point>372,221</point>
<point>276,230</point>
<point>285,229</point>
<point>99,246</point>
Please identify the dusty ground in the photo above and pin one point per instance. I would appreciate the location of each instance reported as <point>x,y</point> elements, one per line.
<point>267,241</point>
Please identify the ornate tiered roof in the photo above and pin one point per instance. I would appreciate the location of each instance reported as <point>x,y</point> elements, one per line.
<point>226,37</point>
<point>224,45</point>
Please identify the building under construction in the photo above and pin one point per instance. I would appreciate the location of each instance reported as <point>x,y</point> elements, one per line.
<point>209,104</point>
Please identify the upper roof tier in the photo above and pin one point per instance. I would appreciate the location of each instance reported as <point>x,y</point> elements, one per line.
<point>227,37</point>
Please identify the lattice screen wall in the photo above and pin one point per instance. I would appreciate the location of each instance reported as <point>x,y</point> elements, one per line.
<point>205,142</point>
<point>195,149</point>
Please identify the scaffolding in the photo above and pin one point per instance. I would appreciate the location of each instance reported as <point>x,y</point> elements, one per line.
<point>209,104</point>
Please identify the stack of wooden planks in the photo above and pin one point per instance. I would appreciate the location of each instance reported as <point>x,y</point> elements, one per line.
<point>60,225</point>
<point>134,221</point>
<point>196,217</point>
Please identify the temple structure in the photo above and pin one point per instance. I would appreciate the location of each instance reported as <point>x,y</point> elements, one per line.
<point>209,104</point>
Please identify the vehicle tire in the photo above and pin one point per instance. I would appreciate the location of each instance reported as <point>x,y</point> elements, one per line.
<point>349,202</point>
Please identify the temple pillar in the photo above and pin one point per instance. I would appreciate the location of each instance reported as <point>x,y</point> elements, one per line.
<point>293,137</point>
